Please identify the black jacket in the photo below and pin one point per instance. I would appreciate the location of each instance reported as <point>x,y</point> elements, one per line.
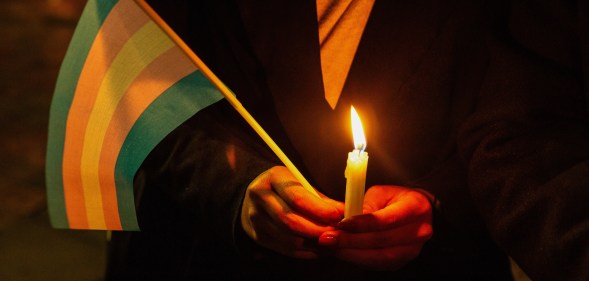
<point>481,104</point>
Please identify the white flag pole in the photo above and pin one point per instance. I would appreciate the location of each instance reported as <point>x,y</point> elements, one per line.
<point>228,95</point>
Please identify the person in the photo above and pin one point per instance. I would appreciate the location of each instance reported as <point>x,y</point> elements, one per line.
<point>477,133</point>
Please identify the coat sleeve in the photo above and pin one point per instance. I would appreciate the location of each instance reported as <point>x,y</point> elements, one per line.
<point>203,168</point>
<point>527,144</point>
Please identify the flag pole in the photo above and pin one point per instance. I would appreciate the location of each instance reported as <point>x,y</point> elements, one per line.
<point>228,95</point>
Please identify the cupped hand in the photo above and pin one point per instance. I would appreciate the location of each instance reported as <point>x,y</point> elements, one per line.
<point>279,214</point>
<point>395,224</point>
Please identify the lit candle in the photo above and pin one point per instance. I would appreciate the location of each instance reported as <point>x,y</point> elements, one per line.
<point>356,169</point>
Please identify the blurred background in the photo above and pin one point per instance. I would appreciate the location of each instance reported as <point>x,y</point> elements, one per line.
<point>34,35</point>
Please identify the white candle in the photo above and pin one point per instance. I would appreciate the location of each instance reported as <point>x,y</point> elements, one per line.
<point>355,172</point>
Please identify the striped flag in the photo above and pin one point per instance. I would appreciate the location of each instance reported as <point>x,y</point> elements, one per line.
<point>123,86</point>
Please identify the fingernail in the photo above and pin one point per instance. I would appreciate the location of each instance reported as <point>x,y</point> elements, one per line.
<point>328,239</point>
<point>343,223</point>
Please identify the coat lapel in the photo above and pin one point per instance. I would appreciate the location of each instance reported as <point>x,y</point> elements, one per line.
<point>284,38</point>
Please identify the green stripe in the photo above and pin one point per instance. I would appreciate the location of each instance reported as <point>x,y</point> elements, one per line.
<point>92,18</point>
<point>181,101</point>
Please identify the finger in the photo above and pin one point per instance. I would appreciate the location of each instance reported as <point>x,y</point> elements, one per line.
<point>282,215</point>
<point>406,234</point>
<point>338,204</point>
<point>380,259</point>
<point>399,210</point>
<point>301,200</point>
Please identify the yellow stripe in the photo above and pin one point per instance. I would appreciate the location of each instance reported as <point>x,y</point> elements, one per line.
<point>155,79</point>
<point>108,42</point>
<point>142,48</point>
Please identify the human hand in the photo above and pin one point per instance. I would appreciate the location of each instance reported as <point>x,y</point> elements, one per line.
<point>279,214</point>
<point>395,223</point>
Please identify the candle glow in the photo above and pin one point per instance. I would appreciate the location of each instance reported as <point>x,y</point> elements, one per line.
<point>357,131</point>
<point>355,172</point>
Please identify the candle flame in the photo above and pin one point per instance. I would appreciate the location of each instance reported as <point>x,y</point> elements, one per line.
<point>358,131</point>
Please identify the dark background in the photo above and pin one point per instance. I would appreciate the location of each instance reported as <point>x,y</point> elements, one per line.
<point>34,35</point>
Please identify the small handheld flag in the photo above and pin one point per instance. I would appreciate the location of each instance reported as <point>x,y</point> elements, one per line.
<point>125,83</point>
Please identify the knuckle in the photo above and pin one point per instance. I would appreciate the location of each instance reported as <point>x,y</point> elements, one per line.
<point>423,205</point>
<point>298,201</point>
<point>392,220</point>
<point>255,195</point>
<point>259,195</point>
<point>256,217</point>
<point>426,231</point>
<point>330,215</point>
<point>289,220</point>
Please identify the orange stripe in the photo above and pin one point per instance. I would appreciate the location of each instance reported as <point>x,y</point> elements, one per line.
<point>120,24</point>
<point>162,73</point>
<point>146,45</point>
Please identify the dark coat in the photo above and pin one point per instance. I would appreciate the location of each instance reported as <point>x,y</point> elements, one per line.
<point>481,104</point>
